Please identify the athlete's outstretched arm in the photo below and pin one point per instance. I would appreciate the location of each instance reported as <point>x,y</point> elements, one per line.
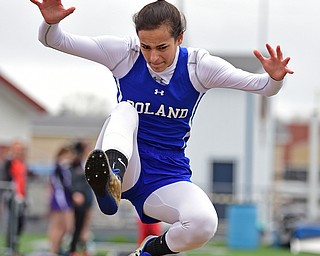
<point>52,10</point>
<point>275,65</point>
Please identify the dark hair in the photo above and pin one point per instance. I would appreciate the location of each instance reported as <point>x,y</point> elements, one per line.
<point>63,150</point>
<point>79,148</point>
<point>158,13</point>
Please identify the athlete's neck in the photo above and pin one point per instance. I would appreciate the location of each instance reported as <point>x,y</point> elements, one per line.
<point>164,76</point>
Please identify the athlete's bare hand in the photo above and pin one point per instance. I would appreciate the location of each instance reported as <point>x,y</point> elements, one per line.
<point>275,65</point>
<point>52,10</point>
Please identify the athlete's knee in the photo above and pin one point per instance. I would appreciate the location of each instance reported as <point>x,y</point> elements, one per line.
<point>127,108</point>
<point>127,111</point>
<point>203,227</point>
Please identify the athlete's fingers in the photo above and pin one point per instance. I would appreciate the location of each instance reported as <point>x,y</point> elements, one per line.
<point>70,10</point>
<point>258,55</point>
<point>290,71</point>
<point>271,51</point>
<point>285,62</point>
<point>279,53</point>
<point>37,3</point>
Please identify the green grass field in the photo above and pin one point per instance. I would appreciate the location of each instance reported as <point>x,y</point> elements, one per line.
<point>30,241</point>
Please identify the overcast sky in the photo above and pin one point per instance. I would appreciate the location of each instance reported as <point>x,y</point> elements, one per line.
<point>220,26</point>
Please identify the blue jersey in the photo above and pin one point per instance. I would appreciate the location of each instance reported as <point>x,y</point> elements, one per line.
<point>165,111</point>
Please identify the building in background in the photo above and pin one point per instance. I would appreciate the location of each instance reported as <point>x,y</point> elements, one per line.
<point>16,111</point>
<point>51,132</point>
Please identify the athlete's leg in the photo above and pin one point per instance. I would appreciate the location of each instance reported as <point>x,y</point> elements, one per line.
<point>120,133</point>
<point>106,165</point>
<point>189,210</point>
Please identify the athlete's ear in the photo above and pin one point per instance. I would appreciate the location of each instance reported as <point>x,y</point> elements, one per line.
<point>180,39</point>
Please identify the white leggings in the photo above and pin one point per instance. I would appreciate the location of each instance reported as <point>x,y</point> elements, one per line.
<point>182,204</point>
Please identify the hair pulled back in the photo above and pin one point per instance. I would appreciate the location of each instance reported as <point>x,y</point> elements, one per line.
<point>159,13</point>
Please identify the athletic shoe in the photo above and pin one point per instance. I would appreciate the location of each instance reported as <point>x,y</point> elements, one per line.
<point>102,180</point>
<point>139,251</point>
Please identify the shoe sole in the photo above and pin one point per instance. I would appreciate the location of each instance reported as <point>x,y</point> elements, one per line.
<point>100,177</point>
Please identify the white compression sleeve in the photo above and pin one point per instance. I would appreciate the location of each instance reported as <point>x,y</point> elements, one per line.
<point>121,126</point>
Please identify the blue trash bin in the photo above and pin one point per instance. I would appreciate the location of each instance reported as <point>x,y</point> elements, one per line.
<point>242,229</point>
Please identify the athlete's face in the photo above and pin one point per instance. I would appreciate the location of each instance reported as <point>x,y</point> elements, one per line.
<point>158,47</point>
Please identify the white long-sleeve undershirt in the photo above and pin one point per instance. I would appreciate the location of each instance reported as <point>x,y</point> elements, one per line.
<point>119,55</point>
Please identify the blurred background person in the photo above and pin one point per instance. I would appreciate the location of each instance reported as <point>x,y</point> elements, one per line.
<point>15,170</point>
<point>82,196</point>
<point>61,210</point>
